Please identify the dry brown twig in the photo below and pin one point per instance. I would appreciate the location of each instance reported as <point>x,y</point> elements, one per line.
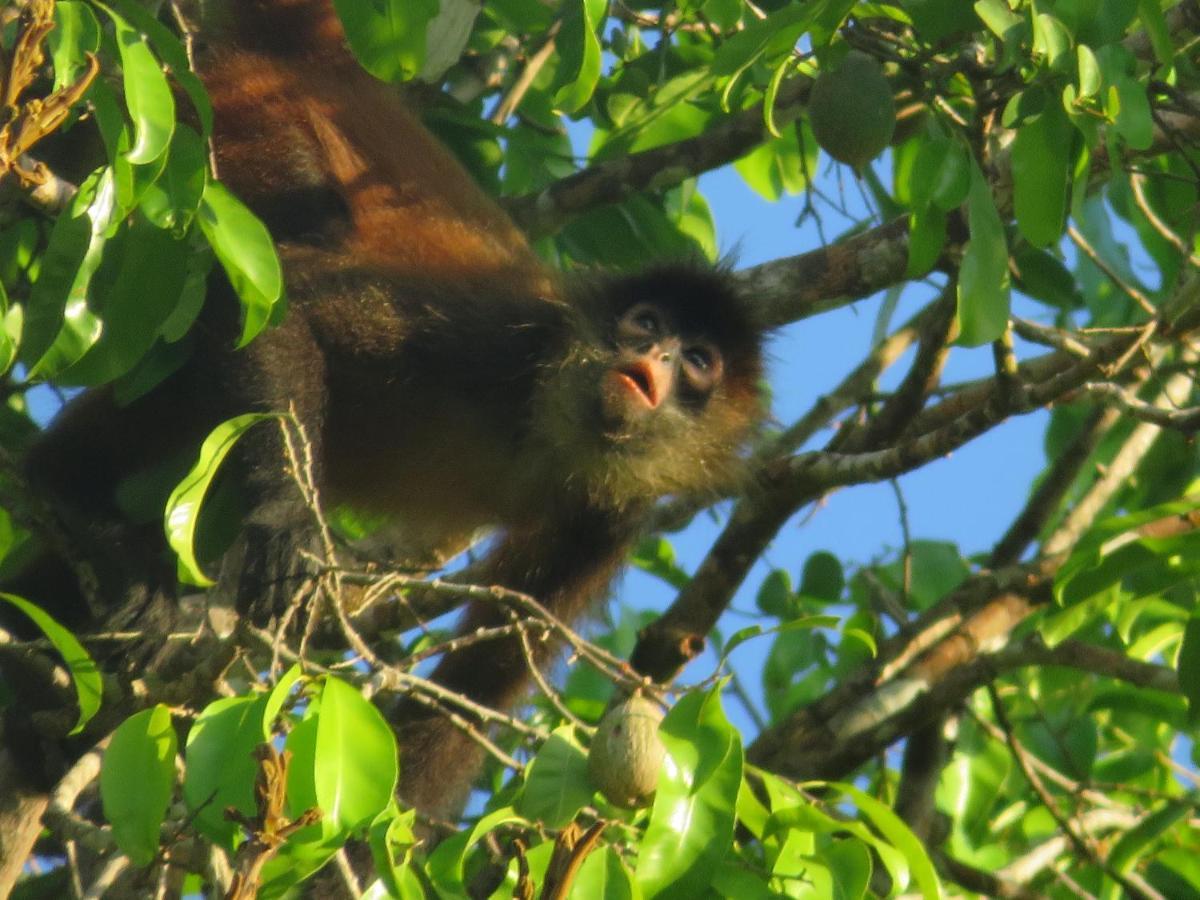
<point>25,123</point>
<point>270,828</point>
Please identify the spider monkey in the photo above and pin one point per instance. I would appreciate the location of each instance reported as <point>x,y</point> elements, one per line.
<point>445,376</point>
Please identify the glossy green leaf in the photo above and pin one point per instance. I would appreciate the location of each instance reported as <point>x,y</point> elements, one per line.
<point>183,508</point>
<point>67,266</point>
<point>1040,163</point>
<point>604,875</point>
<point>900,836</point>
<point>998,17</point>
<point>1091,79</point>
<point>780,165</point>
<point>388,36</point>
<point>691,825</point>
<point>445,864</point>
<point>1137,843</point>
<point>278,696</point>
<point>579,48</point>
<point>171,51</point>
<point>926,239</point>
<point>392,840</point>
<point>941,174</point>
<point>147,94</point>
<point>556,781</point>
<point>136,778</point>
<point>747,45</point>
<point>246,251</point>
<point>174,197</point>
<point>145,272</point>
<point>1118,534</point>
<point>85,676</point>
<point>76,33</point>
<point>220,764</point>
<point>983,293</point>
<point>355,769</point>
<point>1051,40</point>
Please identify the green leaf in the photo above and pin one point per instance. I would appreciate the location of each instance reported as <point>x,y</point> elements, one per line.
<point>183,508</point>
<point>1040,165</point>
<point>937,19</point>
<point>67,266</point>
<point>1188,664</point>
<point>1129,107</point>
<point>174,198</point>
<point>782,164</point>
<point>556,781</point>
<point>1155,23</point>
<point>983,292</point>
<point>392,840</point>
<point>144,274</point>
<point>999,19</point>
<point>246,251</point>
<point>850,866</point>
<point>85,676</point>
<point>579,48</point>
<point>172,52</point>
<point>775,596</point>
<point>388,36</point>
<point>1091,79</point>
<point>1138,843</point>
<point>1042,275</point>
<point>76,33</point>
<point>691,825</point>
<point>941,174</point>
<point>278,697</point>
<point>899,836</point>
<point>656,556</point>
<point>926,238</point>
<point>747,45</point>
<point>1092,557</point>
<point>822,577</point>
<point>1051,40</point>
<point>221,767</point>
<point>604,875</point>
<point>147,94</point>
<point>355,770</point>
<point>136,777</point>
<point>445,864</point>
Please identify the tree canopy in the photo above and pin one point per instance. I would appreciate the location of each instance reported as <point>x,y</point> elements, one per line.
<point>927,722</point>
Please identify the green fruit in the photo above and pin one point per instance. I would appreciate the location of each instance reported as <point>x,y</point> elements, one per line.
<point>626,753</point>
<point>851,110</point>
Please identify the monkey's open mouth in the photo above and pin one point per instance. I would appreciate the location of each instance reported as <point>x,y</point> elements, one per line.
<point>639,378</point>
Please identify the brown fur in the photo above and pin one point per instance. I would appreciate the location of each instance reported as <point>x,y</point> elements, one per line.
<point>446,377</point>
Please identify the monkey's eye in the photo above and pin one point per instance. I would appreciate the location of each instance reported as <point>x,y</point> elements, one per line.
<point>699,358</point>
<point>702,367</point>
<point>644,320</point>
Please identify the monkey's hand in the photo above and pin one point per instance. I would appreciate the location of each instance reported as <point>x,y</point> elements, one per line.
<point>272,572</point>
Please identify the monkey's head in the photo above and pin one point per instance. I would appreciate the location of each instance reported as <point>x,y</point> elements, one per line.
<point>660,387</point>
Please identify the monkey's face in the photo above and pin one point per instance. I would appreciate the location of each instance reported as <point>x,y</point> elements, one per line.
<point>658,390</point>
<point>656,365</point>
